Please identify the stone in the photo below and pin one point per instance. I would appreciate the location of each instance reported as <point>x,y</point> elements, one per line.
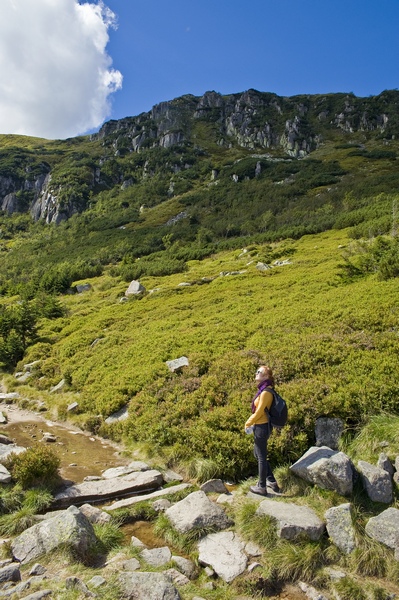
<point>144,497</point>
<point>5,440</point>
<point>328,432</point>
<point>377,482</point>
<point>70,528</point>
<point>83,287</point>
<point>385,464</point>
<point>10,572</point>
<point>133,467</point>
<point>97,581</point>
<point>6,450</point>
<point>72,407</point>
<point>121,414</point>
<point>57,388</point>
<point>224,552</point>
<point>292,520</point>
<point>5,475</point>
<point>37,570</point>
<point>214,486</point>
<point>384,528</point>
<point>74,583</point>
<point>132,564</point>
<point>135,288</point>
<point>107,488</point>
<point>186,566</point>
<point>156,557</point>
<point>196,511</point>
<point>263,266</point>
<point>326,468</point>
<point>151,586</point>
<point>170,476</point>
<point>311,592</point>
<point>7,397</point>
<point>161,505</point>
<point>225,498</point>
<point>94,514</point>
<point>176,577</point>
<point>136,543</point>
<point>340,528</point>
<point>177,363</point>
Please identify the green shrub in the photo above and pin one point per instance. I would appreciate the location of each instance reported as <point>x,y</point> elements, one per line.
<point>36,467</point>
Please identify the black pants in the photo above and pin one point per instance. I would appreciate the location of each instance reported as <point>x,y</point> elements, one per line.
<point>261,435</point>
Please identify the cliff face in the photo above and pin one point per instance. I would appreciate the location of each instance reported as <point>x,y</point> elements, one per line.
<point>290,126</point>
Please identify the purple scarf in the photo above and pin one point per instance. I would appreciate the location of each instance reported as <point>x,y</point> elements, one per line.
<point>261,387</point>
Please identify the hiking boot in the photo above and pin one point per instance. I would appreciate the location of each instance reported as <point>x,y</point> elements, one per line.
<point>273,485</point>
<point>257,489</point>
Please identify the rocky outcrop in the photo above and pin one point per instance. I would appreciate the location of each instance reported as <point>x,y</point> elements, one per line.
<point>294,126</point>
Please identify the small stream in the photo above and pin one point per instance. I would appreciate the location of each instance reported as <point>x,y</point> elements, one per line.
<point>81,454</point>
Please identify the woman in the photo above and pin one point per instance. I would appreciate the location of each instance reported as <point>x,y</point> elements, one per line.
<point>262,430</point>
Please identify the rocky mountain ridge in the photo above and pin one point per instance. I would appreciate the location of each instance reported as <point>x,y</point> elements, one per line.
<point>55,185</point>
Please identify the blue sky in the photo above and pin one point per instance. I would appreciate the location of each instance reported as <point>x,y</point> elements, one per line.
<point>66,66</point>
<point>167,49</point>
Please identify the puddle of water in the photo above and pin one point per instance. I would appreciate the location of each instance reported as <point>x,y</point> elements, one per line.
<point>81,455</point>
<point>144,530</point>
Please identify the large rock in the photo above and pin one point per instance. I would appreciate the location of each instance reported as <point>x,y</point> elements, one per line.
<point>147,586</point>
<point>385,529</point>
<point>340,527</point>
<point>377,482</point>
<point>135,288</point>
<point>292,520</point>
<point>328,432</point>
<point>91,491</point>
<point>70,528</point>
<point>326,468</point>
<point>224,552</point>
<point>195,512</point>
<point>145,497</point>
<point>156,557</point>
<point>10,572</point>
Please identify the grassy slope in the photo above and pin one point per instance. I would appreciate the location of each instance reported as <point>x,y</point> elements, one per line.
<point>333,348</point>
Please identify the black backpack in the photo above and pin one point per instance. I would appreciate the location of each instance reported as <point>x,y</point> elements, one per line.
<point>278,412</point>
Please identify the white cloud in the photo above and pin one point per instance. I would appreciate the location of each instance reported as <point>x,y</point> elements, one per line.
<point>55,74</point>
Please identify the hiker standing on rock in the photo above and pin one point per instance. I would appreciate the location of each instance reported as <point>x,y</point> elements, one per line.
<point>259,421</point>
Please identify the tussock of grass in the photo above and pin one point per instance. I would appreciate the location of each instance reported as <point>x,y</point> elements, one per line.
<point>367,444</point>
<point>16,522</point>
<point>299,560</point>
<point>109,536</point>
<point>260,529</point>
<point>348,589</point>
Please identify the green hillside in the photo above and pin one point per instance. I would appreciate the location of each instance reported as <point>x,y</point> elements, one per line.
<point>333,345</point>
<point>198,191</point>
